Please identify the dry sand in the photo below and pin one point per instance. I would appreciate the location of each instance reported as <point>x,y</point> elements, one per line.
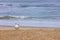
<point>9,33</point>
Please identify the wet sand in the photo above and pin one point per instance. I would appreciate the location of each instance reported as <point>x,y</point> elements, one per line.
<point>9,33</point>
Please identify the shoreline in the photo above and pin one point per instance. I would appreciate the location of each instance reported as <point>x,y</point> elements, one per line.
<point>6,27</point>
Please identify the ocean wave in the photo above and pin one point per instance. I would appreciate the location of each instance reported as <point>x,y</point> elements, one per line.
<point>19,17</point>
<point>29,17</point>
<point>14,17</point>
<point>29,5</point>
<point>41,5</point>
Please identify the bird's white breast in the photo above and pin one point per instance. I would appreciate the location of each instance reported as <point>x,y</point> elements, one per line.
<point>16,25</point>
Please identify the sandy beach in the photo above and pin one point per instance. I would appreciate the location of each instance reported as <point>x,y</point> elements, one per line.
<point>9,33</point>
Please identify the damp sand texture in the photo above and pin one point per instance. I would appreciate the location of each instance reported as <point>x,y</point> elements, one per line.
<point>31,34</point>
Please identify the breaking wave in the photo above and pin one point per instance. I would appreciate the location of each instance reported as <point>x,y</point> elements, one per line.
<point>14,17</point>
<point>29,17</point>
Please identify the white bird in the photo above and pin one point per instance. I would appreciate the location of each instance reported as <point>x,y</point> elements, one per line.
<point>16,26</point>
